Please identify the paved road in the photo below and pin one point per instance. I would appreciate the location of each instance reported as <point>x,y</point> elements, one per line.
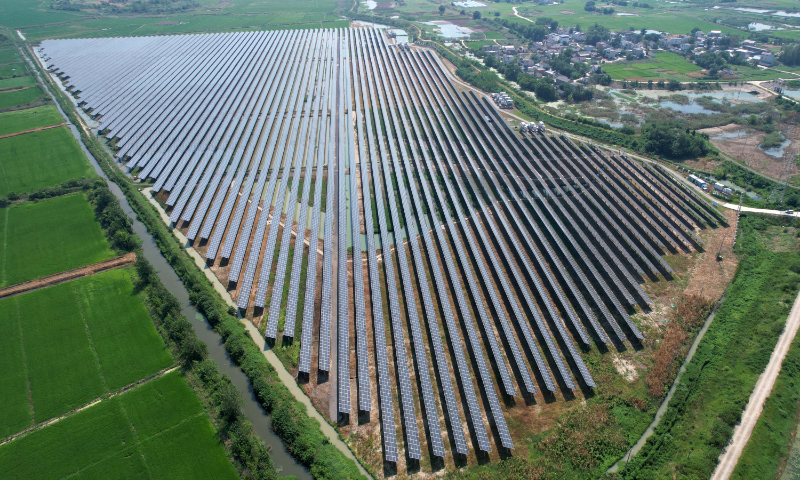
<point>741,434</point>
<point>761,210</point>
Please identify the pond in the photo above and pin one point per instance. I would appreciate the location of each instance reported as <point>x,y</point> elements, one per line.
<point>758,27</point>
<point>724,135</point>
<point>371,4</point>
<point>776,152</point>
<point>449,30</point>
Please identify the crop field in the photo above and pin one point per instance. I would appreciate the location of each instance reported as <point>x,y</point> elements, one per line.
<point>280,6</point>
<point>663,66</point>
<point>100,340</point>
<point>124,26</point>
<point>17,82</point>
<point>118,439</point>
<point>40,159</point>
<point>21,13</point>
<point>28,119</point>
<point>125,339</point>
<point>15,410</point>
<point>674,19</point>
<point>9,55</point>
<point>61,364</point>
<point>13,69</point>
<point>16,98</point>
<point>37,241</point>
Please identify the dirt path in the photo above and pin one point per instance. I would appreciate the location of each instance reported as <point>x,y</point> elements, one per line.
<point>516,14</point>
<point>741,434</point>
<point>68,275</point>
<point>32,130</point>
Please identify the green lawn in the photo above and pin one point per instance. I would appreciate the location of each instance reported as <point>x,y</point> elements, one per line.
<point>38,240</point>
<point>16,98</point>
<point>74,342</point>
<point>113,440</point>
<point>39,159</point>
<point>17,82</point>
<point>21,120</point>
<point>665,65</point>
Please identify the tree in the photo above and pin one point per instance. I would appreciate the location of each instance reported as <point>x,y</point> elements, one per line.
<point>441,9</point>
<point>590,6</point>
<point>476,15</point>
<point>674,85</point>
<point>496,14</point>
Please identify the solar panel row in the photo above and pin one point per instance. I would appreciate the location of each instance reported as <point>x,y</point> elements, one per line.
<point>229,125</point>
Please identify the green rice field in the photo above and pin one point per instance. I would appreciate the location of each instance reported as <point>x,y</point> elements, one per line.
<point>40,159</point>
<point>121,438</point>
<point>124,26</point>
<point>72,343</point>
<point>22,120</point>
<point>13,69</point>
<point>9,55</point>
<point>37,241</point>
<point>665,65</point>
<point>17,82</point>
<point>15,98</point>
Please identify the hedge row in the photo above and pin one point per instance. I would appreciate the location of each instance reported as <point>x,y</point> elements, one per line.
<point>300,433</point>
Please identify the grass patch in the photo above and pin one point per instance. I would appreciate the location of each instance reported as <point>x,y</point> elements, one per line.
<point>40,159</point>
<point>22,120</point>
<point>16,98</point>
<point>126,341</point>
<point>39,242</point>
<point>101,442</point>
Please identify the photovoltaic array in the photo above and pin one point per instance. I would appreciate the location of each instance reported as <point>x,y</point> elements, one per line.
<point>360,201</point>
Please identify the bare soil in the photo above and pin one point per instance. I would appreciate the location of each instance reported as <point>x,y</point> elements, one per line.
<point>745,147</point>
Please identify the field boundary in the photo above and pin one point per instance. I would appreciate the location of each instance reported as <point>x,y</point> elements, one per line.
<point>119,391</point>
<point>38,129</point>
<point>66,276</point>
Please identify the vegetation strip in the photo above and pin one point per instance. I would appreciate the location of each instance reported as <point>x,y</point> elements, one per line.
<point>766,381</point>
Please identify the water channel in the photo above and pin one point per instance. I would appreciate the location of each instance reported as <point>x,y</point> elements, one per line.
<point>252,409</point>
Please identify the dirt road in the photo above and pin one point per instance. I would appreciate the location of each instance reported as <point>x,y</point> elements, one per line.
<point>68,275</point>
<point>516,14</point>
<point>32,130</point>
<point>741,434</point>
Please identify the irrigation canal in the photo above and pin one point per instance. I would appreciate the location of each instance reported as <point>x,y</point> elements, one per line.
<point>252,409</point>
